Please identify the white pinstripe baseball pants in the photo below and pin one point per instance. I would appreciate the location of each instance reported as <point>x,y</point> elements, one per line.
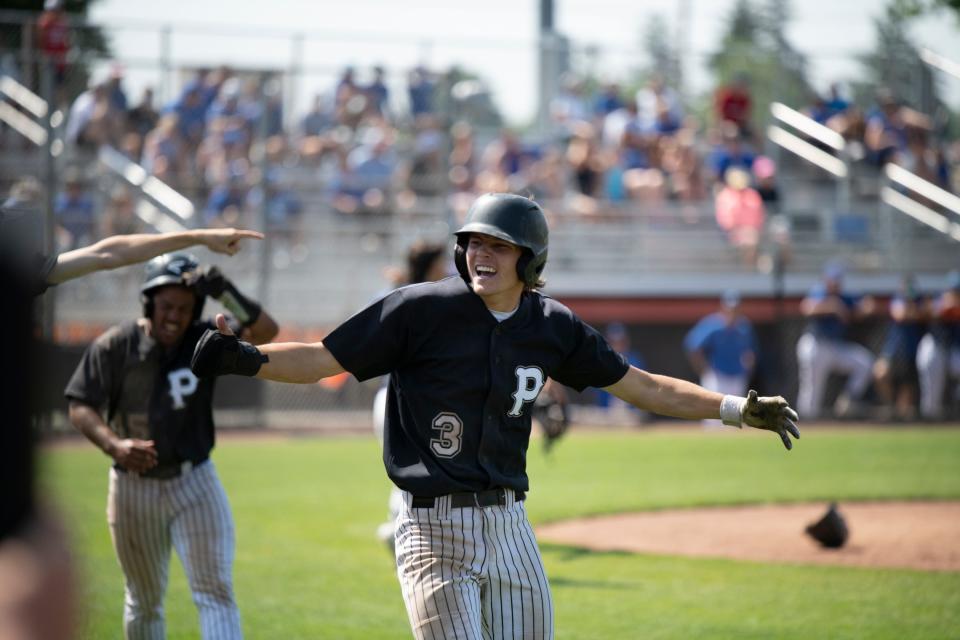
<point>472,572</point>
<point>190,513</point>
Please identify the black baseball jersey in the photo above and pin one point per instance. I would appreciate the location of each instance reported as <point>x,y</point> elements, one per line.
<point>145,392</point>
<point>463,385</point>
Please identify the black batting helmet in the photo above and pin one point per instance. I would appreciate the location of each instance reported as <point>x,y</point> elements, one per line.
<point>170,268</point>
<point>512,218</point>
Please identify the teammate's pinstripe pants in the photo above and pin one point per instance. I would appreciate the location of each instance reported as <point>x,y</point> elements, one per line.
<point>472,572</point>
<point>191,513</point>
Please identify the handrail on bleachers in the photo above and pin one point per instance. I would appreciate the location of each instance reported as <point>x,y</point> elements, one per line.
<point>916,209</point>
<point>178,209</point>
<point>801,147</point>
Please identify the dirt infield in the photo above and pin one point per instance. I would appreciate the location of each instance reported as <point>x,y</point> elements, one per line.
<point>910,535</point>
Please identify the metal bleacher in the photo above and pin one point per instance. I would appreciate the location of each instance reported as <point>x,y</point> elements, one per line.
<point>645,251</point>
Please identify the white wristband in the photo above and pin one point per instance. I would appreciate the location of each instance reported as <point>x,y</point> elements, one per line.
<point>731,411</point>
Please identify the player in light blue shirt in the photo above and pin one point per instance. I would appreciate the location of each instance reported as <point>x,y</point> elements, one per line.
<point>722,349</point>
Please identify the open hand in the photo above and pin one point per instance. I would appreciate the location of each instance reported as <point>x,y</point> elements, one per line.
<point>226,240</point>
<point>773,414</point>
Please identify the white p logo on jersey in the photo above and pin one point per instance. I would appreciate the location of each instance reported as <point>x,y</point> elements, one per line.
<point>182,383</point>
<point>529,382</point>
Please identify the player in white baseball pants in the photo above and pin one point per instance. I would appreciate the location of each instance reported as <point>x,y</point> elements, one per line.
<point>191,512</point>
<point>133,395</point>
<point>454,561</point>
<point>824,347</point>
<point>817,357</point>
<point>467,359</point>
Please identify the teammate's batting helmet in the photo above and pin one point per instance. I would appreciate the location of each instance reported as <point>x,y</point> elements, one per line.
<point>513,218</point>
<point>170,268</point>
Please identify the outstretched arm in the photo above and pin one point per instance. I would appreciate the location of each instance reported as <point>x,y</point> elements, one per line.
<point>219,353</point>
<point>667,396</point>
<point>681,399</point>
<point>119,251</point>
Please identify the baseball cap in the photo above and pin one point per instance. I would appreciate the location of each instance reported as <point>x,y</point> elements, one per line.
<point>730,298</point>
<point>737,178</point>
<point>834,270</point>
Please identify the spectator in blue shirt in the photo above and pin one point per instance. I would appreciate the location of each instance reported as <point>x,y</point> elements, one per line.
<point>191,113</point>
<point>608,100</point>
<point>420,91</point>
<point>74,211</point>
<point>722,349</point>
<point>895,372</point>
<point>616,334</point>
<point>732,153</point>
<point>378,93</point>
<point>824,347</point>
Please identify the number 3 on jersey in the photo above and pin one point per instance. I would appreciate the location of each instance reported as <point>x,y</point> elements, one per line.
<point>449,442</point>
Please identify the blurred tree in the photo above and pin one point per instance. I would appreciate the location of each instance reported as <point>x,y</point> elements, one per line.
<point>661,49</point>
<point>895,64</point>
<point>661,56</point>
<point>913,8</point>
<point>87,42</point>
<point>755,46</point>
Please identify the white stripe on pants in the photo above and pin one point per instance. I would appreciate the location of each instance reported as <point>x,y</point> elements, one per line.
<point>817,358</point>
<point>934,361</point>
<point>472,572</point>
<point>190,513</point>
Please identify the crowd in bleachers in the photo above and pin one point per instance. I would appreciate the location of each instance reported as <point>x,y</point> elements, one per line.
<point>609,153</point>
<point>889,131</point>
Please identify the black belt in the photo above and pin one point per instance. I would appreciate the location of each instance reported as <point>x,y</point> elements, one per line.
<point>488,498</point>
<point>167,471</point>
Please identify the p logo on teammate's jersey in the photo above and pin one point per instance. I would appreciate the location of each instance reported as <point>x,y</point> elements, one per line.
<point>182,384</point>
<point>529,383</point>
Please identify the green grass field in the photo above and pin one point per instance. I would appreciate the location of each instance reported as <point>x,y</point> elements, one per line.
<point>308,564</point>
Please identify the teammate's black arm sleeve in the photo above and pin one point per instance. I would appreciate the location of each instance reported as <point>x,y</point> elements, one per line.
<point>374,341</point>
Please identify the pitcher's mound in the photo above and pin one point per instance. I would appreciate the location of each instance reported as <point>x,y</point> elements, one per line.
<point>911,535</point>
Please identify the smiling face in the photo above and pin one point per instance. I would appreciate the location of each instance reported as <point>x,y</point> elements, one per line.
<point>492,264</point>
<point>172,314</point>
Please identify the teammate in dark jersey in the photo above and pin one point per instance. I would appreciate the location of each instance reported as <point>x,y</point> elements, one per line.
<point>468,356</point>
<point>134,396</point>
<point>33,546</point>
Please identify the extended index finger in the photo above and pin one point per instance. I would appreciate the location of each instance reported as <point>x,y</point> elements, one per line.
<point>247,233</point>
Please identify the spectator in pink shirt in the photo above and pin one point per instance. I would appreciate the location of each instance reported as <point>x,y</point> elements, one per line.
<point>741,214</point>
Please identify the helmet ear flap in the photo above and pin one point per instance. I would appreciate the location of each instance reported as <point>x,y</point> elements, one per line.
<point>147,300</point>
<point>460,257</point>
<point>523,265</point>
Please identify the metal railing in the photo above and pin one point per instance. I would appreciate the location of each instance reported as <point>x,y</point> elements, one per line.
<point>898,198</point>
<point>29,115</point>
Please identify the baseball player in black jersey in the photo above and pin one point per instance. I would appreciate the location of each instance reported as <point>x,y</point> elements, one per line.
<point>134,396</point>
<point>34,550</point>
<point>468,356</point>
